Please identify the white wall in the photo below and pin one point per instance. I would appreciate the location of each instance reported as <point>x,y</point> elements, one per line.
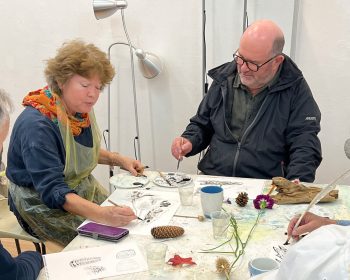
<point>172,30</point>
<point>225,24</point>
<point>323,54</point>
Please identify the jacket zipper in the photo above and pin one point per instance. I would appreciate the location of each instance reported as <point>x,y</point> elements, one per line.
<point>244,136</point>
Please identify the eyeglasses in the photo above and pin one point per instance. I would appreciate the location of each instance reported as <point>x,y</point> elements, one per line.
<point>251,65</point>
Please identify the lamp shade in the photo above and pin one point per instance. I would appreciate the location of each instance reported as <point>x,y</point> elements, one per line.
<point>149,64</point>
<point>106,8</point>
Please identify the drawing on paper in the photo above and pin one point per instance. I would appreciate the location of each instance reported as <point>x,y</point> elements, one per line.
<point>280,252</point>
<point>173,180</point>
<point>126,254</point>
<point>148,207</point>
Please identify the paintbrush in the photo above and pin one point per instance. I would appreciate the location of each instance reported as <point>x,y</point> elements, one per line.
<point>165,179</point>
<point>115,204</point>
<point>178,164</point>
<point>317,198</point>
<point>140,172</point>
<point>178,161</point>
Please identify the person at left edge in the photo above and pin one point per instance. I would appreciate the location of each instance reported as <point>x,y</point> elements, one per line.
<point>55,145</point>
<point>26,265</point>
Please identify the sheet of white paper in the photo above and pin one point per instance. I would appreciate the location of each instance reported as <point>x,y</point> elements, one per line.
<point>96,262</point>
<point>233,186</point>
<point>155,207</point>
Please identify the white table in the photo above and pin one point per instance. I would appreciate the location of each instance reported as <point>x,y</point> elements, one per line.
<point>198,235</point>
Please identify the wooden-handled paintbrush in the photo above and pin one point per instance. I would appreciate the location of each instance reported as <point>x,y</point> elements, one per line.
<point>117,205</point>
<point>165,178</point>
<point>317,198</point>
<point>178,161</point>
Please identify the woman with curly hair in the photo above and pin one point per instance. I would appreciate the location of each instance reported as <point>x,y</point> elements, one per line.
<point>55,145</point>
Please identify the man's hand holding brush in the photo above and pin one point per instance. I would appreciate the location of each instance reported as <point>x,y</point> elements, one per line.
<point>180,147</point>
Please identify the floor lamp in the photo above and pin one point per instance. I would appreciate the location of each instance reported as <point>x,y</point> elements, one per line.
<point>149,64</point>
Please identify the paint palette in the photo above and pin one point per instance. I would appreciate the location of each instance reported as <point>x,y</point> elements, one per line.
<point>173,180</point>
<point>127,181</point>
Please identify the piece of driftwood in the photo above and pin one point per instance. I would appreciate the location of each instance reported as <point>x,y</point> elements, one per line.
<point>292,193</point>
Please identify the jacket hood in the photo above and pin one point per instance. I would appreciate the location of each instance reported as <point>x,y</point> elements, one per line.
<point>290,73</point>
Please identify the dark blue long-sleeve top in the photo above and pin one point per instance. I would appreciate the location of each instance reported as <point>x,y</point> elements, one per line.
<point>36,156</point>
<point>24,267</point>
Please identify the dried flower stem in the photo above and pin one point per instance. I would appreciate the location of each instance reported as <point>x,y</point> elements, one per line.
<point>243,244</point>
<point>240,245</point>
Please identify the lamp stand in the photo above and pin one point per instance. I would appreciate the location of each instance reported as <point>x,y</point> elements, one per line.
<point>137,137</point>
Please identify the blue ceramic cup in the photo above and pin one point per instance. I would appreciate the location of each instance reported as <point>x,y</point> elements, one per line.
<point>261,265</point>
<point>211,199</point>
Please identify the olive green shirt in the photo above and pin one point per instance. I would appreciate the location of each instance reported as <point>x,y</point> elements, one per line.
<point>245,106</point>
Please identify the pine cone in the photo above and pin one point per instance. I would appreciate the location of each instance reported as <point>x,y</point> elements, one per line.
<point>242,199</point>
<point>167,231</point>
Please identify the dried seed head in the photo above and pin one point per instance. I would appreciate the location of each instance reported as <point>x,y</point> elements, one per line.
<point>222,265</point>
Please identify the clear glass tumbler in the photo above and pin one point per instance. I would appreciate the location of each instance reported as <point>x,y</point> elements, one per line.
<point>220,221</point>
<point>186,194</point>
<point>155,253</point>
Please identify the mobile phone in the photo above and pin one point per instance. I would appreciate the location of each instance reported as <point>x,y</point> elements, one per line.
<point>103,232</point>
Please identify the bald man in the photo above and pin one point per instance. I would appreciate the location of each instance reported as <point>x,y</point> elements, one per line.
<point>259,118</point>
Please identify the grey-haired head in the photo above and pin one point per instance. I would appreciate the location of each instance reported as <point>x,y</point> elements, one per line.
<point>6,107</point>
<point>347,148</point>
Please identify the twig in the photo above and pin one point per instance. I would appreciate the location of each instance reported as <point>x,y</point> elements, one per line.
<point>199,217</point>
<point>271,190</point>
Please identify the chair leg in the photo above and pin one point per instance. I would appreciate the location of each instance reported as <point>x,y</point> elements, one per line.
<point>43,248</point>
<point>18,246</point>
<point>37,247</point>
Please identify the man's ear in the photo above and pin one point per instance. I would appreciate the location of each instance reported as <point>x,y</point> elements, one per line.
<point>279,59</point>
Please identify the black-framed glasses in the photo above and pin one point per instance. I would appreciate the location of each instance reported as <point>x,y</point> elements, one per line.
<point>251,65</point>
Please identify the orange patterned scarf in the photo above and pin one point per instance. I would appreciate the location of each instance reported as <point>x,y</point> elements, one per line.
<point>46,103</point>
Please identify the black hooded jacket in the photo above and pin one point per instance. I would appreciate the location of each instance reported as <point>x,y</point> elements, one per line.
<point>283,135</point>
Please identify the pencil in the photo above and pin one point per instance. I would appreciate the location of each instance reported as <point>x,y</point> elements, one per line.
<point>115,204</point>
